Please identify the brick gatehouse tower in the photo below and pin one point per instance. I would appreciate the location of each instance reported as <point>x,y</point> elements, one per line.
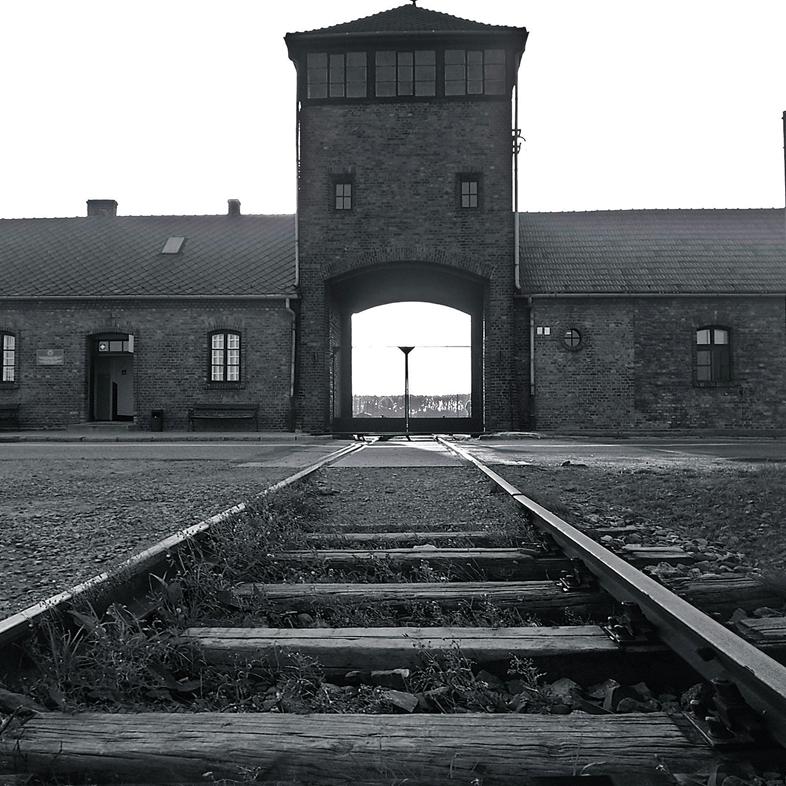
<point>405,192</point>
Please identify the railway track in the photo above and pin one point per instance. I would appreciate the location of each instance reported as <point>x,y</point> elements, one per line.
<point>507,651</point>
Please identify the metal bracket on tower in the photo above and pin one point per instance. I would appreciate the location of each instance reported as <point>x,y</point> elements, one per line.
<point>517,139</point>
<point>630,627</point>
<point>723,718</point>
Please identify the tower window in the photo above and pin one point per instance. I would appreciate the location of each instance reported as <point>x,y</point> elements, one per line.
<point>474,72</point>
<point>336,75</point>
<point>406,73</point>
<point>713,355</point>
<point>8,344</point>
<point>469,191</point>
<point>343,195</point>
<point>225,356</point>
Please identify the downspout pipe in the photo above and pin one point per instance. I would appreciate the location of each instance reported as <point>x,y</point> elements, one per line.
<point>516,147</point>
<point>297,182</point>
<point>531,304</point>
<point>293,338</point>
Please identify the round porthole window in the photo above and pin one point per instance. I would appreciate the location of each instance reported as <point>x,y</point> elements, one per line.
<point>571,338</point>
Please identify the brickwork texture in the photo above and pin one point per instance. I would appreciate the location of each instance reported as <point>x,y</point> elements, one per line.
<point>170,366</point>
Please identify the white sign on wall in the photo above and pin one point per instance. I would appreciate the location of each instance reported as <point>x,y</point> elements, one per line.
<point>49,357</point>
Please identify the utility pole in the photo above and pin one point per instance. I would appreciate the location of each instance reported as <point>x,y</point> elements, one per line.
<point>406,351</point>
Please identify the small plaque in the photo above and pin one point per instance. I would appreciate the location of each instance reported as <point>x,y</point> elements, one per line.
<point>50,357</point>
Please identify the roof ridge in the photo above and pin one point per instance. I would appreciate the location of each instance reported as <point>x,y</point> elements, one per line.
<point>618,211</point>
<point>408,11</point>
<point>150,215</point>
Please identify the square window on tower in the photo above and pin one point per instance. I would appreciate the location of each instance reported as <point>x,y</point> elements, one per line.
<point>469,191</point>
<point>342,195</point>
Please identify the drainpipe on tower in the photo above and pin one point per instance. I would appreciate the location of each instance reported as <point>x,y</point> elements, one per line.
<point>516,146</point>
<point>288,307</point>
<point>784,158</point>
<point>531,304</point>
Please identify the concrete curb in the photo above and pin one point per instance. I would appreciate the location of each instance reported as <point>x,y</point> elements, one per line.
<point>164,436</point>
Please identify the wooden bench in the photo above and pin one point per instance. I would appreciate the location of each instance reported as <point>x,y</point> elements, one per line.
<point>223,412</point>
<point>9,415</point>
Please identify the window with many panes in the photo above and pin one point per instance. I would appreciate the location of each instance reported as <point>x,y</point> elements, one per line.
<point>469,192</point>
<point>406,73</point>
<point>474,72</point>
<point>8,343</point>
<point>336,74</point>
<point>343,194</point>
<point>225,356</point>
<point>713,354</point>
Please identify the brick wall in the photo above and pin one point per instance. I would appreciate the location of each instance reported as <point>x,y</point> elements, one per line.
<point>403,159</point>
<point>636,366</point>
<point>170,357</point>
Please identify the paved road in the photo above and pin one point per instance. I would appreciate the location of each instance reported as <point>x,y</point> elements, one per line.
<point>241,454</point>
<point>401,453</point>
<point>631,452</point>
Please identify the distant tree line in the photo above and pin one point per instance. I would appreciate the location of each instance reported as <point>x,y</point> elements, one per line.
<point>420,406</point>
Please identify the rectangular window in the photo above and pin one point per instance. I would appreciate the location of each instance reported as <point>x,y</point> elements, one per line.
<point>225,357</point>
<point>406,73</point>
<point>317,75</point>
<point>713,355</point>
<point>336,75</point>
<point>9,357</point>
<point>474,72</point>
<point>469,191</point>
<point>343,196</point>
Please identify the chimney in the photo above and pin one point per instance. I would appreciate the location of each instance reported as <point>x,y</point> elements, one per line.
<point>233,207</point>
<point>101,207</point>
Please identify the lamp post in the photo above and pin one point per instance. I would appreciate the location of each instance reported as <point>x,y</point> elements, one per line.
<point>406,351</point>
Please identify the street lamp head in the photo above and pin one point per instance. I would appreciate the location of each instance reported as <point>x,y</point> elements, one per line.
<point>406,350</point>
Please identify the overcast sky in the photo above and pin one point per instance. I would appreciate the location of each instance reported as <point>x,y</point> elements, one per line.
<point>173,106</point>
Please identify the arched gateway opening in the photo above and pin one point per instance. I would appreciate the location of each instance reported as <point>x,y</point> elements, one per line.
<point>355,294</point>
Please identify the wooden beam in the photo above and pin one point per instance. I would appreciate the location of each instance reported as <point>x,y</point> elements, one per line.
<point>343,649</point>
<point>493,563</point>
<point>339,749</point>
<point>542,598</point>
<point>713,594</point>
<point>478,537</point>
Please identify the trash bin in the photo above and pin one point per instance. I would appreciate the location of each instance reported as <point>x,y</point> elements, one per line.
<point>156,419</point>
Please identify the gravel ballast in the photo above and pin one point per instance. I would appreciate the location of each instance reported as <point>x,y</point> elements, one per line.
<point>64,521</point>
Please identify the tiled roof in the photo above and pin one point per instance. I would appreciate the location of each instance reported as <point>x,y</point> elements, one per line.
<point>102,256</point>
<point>654,251</point>
<point>408,19</point>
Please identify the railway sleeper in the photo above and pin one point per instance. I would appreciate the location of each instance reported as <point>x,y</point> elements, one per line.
<point>340,650</point>
<point>489,563</point>
<point>338,749</point>
<point>716,595</point>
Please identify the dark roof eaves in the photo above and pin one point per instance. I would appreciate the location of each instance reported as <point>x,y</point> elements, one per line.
<point>553,295</point>
<point>130,296</point>
<point>360,37</point>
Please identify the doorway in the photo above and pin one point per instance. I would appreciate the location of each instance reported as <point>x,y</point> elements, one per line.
<point>437,311</point>
<point>111,394</point>
<point>438,367</point>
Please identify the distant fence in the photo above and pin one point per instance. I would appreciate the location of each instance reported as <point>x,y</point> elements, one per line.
<point>453,405</point>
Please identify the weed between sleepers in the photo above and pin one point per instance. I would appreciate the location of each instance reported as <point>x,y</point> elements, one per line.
<point>122,663</point>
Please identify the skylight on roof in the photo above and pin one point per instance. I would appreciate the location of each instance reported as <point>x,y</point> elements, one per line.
<point>173,245</point>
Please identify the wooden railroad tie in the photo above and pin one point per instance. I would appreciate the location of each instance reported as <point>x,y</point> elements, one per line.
<point>423,748</point>
<point>340,650</point>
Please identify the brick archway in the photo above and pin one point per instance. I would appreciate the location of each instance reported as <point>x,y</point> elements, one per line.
<point>406,255</point>
<point>358,289</point>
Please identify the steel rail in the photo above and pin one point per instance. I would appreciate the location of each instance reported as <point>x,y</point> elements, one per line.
<point>709,647</point>
<point>17,626</point>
